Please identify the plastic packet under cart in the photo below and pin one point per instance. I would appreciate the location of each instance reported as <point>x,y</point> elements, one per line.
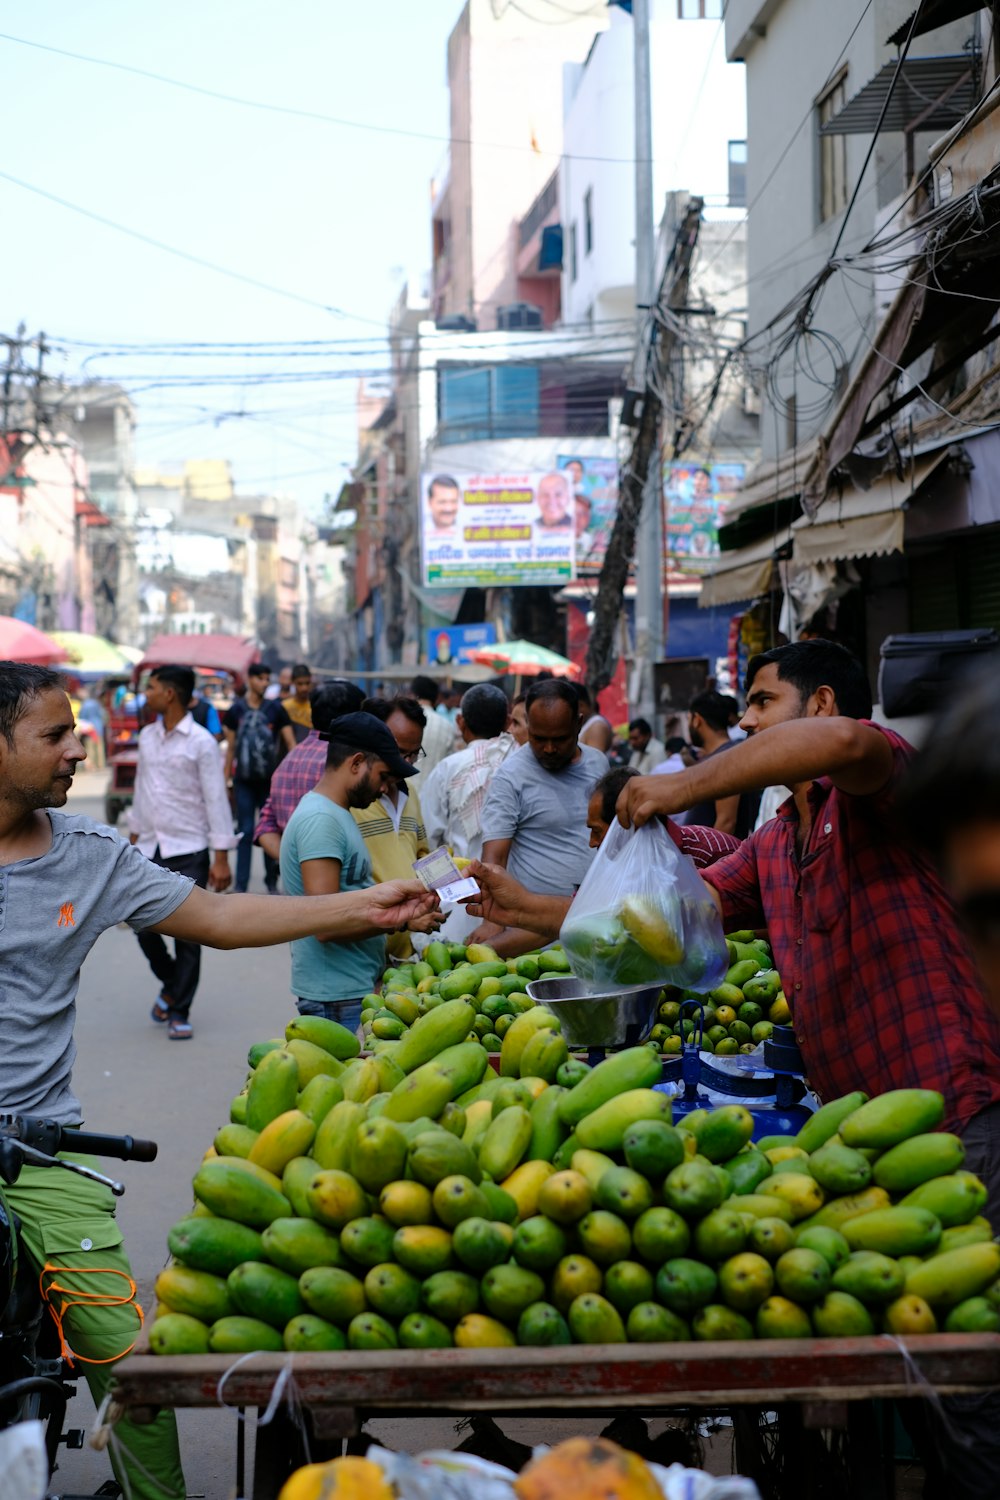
<point>643,916</point>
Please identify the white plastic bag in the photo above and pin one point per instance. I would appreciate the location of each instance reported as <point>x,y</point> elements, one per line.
<point>643,916</point>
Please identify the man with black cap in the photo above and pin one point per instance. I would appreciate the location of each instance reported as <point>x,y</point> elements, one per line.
<point>323,852</point>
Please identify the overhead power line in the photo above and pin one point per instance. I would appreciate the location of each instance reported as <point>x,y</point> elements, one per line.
<point>293,112</point>
<point>195,260</point>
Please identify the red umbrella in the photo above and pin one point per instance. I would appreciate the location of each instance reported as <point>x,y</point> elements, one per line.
<point>20,641</point>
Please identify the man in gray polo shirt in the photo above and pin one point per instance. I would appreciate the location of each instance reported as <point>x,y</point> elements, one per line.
<point>63,881</point>
<point>535,816</point>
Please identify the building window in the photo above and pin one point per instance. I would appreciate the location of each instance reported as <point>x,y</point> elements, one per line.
<point>832,151</point>
<point>737,174</point>
<point>699,10</point>
<point>588,221</point>
<point>573,267</point>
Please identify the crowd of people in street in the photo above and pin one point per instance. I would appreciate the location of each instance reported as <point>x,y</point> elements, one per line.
<point>876,879</point>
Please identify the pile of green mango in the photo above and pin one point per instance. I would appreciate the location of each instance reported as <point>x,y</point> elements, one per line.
<point>737,1015</point>
<point>495,988</point>
<point>416,1198</point>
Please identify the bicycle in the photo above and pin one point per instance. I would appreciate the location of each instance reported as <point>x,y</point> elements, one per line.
<point>36,1382</point>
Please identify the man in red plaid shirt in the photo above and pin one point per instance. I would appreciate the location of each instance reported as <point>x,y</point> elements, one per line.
<point>300,770</point>
<point>881,983</point>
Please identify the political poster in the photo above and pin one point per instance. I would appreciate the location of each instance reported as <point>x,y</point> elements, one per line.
<point>595,502</point>
<point>497,530</point>
<point>695,496</point>
<point>450,645</point>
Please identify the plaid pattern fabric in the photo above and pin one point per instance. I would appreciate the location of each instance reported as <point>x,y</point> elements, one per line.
<point>704,845</point>
<point>298,773</point>
<point>883,990</point>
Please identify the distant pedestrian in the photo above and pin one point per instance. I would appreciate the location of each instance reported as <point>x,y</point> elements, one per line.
<point>297,705</point>
<point>439,735</point>
<point>595,729</point>
<point>454,793</point>
<point>393,826</point>
<point>323,852</point>
<point>708,726</point>
<point>300,771</point>
<point>646,750</point>
<point>179,813</point>
<point>207,715</point>
<point>535,819</point>
<point>255,726</point>
<point>94,721</point>
<point>519,719</point>
<point>283,687</point>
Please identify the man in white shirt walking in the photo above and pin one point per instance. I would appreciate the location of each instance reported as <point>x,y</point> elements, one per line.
<point>180,812</point>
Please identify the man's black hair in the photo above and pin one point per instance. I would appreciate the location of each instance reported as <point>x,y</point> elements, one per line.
<point>331,699</point>
<point>384,708</point>
<point>552,690</point>
<point>810,665</point>
<point>484,710</point>
<point>446,482</point>
<point>258,669</point>
<point>181,679</point>
<point>520,698</point>
<point>955,779</point>
<point>675,745</point>
<point>735,712</point>
<point>20,685</point>
<point>337,751</point>
<point>643,726</point>
<point>609,788</point>
<point>713,708</point>
<point>425,687</point>
<point>582,692</point>
<point>301,669</point>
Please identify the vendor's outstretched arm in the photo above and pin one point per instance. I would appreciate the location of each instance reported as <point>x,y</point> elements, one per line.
<point>259,921</point>
<point>503,900</point>
<point>856,758</point>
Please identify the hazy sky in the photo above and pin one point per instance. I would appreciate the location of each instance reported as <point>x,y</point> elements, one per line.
<point>335,215</point>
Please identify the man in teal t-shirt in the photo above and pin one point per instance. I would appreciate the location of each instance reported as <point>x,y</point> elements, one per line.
<point>322,852</point>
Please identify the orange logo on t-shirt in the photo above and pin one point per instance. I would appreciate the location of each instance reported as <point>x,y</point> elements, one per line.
<point>66,917</point>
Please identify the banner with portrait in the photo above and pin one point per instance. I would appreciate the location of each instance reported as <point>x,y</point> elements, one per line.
<point>481,530</point>
<point>695,496</point>
<point>595,502</point>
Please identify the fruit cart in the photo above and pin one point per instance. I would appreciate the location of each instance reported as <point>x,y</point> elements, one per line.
<point>815,1384</point>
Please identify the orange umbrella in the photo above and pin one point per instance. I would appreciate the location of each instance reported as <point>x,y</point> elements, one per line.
<point>20,641</point>
<point>524,659</point>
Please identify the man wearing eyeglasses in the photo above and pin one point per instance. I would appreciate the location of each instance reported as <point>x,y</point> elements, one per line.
<point>393,826</point>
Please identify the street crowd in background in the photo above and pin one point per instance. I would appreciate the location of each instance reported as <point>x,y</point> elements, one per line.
<point>874,878</point>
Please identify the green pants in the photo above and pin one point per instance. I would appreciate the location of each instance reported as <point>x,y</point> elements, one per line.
<point>69,1222</point>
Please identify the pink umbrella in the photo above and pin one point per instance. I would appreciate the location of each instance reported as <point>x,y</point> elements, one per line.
<point>20,641</point>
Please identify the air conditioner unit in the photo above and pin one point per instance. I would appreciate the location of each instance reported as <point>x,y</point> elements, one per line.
<point>519,315</point>
<point>457,323</point>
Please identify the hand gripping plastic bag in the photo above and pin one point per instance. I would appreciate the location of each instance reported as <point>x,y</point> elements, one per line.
<point>643,916</point>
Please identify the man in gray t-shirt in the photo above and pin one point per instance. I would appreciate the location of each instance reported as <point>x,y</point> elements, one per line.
<point>535,816</point>
<point>63,881</point>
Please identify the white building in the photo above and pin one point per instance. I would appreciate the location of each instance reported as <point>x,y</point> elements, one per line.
<point>699,146</point>
<point>816,75</point>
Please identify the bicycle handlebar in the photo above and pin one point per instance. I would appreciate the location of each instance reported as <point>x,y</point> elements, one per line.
<point>49,1136</point>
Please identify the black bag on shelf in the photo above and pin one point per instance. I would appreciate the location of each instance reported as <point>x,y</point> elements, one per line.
<point>917,671</point>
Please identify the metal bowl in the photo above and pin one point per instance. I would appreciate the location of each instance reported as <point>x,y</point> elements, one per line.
<point>620,1018</point>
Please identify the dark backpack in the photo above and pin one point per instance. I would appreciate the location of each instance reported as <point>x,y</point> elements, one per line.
<point>255,746</point>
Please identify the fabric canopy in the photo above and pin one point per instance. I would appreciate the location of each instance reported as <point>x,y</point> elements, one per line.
<point>91,655</point>
<point>20,641</point>
<point>862,523</point>
<point>744,573</point>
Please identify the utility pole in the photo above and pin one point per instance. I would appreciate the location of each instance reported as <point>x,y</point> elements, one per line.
<point>649,573</point>
<point>637,486</point>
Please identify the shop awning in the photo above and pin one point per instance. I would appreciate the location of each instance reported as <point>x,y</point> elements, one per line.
<point>863,523</point>
<point>935,13</point>
<point>744,573</point>
<point>779,479</point>
<point>931,93</point>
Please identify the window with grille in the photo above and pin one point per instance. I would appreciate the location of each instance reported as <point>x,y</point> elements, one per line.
<point>699,10</point>
<point>588,221</point>
<point>832,151</point>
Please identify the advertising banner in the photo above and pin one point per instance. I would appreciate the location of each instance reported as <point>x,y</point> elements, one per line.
<point>450,645</point>
<point>595,500</point>
<point>695,496</point>
<point>497,530</point>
